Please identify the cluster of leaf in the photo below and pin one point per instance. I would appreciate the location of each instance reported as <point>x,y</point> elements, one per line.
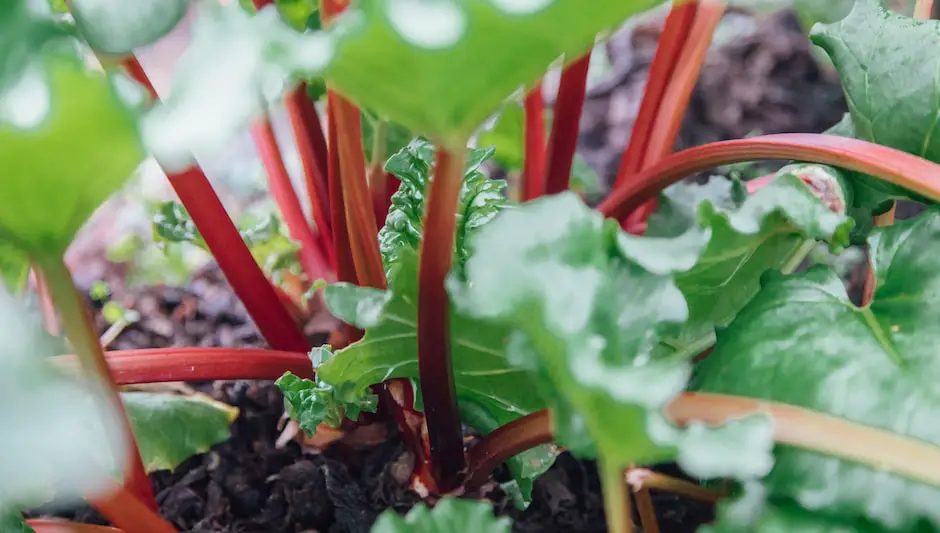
<point>274,251</point>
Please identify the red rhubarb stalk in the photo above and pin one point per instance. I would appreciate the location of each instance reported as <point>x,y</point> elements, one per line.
<point>895,166</point>
<point>314,263</point>
<point>563,141</point>
<point>125,511</point>
<point>505,442</point>
<point>533,166</point>
<point>434,359</point>
<point>64,526</point>
<point>226,245</point>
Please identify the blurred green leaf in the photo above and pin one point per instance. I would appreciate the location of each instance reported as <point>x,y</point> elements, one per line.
<point>172,223</point>
<point>118,27</point>
<point>63,128</point>
<point>781,517</point>
<point>14,269</point>
<point>171,428</point>
<point>297,13</point>
<point>802,342</point>
<point>12,521</point>
<point>450,515</point>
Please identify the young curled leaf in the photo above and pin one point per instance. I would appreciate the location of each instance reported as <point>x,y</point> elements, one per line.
<point>480,200</point>
<point>314,402</point>
<point>450,515</point>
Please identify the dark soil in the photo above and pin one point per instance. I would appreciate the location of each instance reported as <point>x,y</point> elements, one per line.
<point>766,81</point>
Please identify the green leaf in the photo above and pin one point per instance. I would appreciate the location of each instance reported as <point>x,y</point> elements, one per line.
<point>801,341</point>
<point>772,229</point>
<point>480,200</point>
<point>587,305</point>
<point>298,12</point>
<point>170,428</point>
<point>61,434</point>
<point>490,392</point>
<point>172,223</point>
<point>14,269</point>
<point>117,27</point>
<point>203,114</point>
<point>889,83</point>
<point>314,402</point>
<point>751,514</point>
<point>12,521</point>
<point>423,49</point>
<point>65,129</point>
<point>450,515</point>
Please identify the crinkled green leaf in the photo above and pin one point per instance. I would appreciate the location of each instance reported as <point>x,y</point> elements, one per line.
<point>171,428</point>
<point>423,48</point>
<point>750,234</point>
<point>450,515</point>
<point>490,392</point>
<point>314,402</point>
<point>172,223</point>
<point>63,129</point>
<point>203,114</point>
<point>117,27</point>
<point>587,305</point>
<point>61,434</point>
<point>12,521</point>
<point>889,82</point>
<point>480,200</point>
<point>801,341</point>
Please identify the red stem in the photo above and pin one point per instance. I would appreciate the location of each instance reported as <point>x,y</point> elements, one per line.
<point>671,41</point>
<point>505,442</point>
<point>434,359</point>
<point>533,167</point>
<point>314,263</point>
<point>163,365</point>
<point>126,512</point>
<point>360,216</point>
<point>311,145</point>
<point>226,245</point>
<point>563,141</point>
<point>64,526</point>
<point>900,168</point>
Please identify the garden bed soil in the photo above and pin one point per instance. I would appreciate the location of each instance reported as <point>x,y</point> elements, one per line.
<point>764,81</point>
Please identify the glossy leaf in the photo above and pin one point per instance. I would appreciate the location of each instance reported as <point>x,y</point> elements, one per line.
<point>801,341</point>
<point>63,128</point>
<point>450,515</point>
<point>423,49</point>
<point>889,83</point>
<point>750,234</point>
<point>60,433</point>
<point>117,27</point>
<point>203,114</point>
<point>480,200</point>
<point>490,392</point>
<point>587,305</point>
<point>12,521</point>
<point>314,402</point>
<point>171,428</point>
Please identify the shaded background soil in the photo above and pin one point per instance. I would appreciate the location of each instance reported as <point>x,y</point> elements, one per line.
<point>763,80</point>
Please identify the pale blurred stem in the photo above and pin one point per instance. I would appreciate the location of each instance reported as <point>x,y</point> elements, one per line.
<point>380,134</point>
<point>868,292</point>
<point>46,307</point>
<point>112,333</point>
<point>798,256</point>
<point>617,507</point>
<point>80,331</point>
<point>644,507</point>
<point>647,480</point>
<point>923,9</point>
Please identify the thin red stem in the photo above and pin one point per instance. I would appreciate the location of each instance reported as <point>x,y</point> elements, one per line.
<point>533,166</point>
<point>311,145</point>
<point>360,216</point>
<point>163,365</point>
<point>672,39</point>
<point>434,359</point>
<point>563,141</point>
<point>900,168</point>
<point>64,526</point>
<point>126,512</point>
<point>232,255</point>
<point>345,267</point>
<point>505,442</point>
<point>315,264</point>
